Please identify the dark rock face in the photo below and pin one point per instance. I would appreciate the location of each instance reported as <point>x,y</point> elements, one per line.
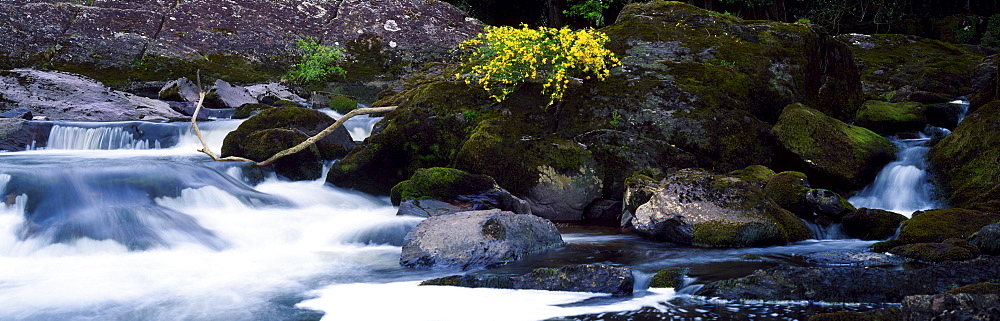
<point>18,134</point>
<point>872,224</point>
<point>477,239</point>
<point>64,96</point>
<point>866,284</point>
<point>599,278</point>
<point>984,83</point>
<point>693,207</point>
<point>834,154</point>
<point>242,41</point>
<point>844,258</point>
<point>183,90</point>
<point>965,162</point>
<point>987,239</point>
<point>890,62</point>
<point>945,306</point>
<point>17,113</point>
<point>225,95</point>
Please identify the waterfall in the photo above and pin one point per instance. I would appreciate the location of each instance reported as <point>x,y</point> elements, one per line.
<point>903,186</point>
<point>67,137</point>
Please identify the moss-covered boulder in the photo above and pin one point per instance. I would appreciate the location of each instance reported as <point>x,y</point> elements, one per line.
<point>692,206</point>
<point>788,190</point>
<point>250,142</point>
<point>680,99</point>
<point>965,163</point>
<point>978,288</point>
<point>668,278</point>
<point>889,62</point>
<point>939,225</point>
<point>949,250</point>
<point>834,154</point>
<point>756,175</point>
<point>886,118</point>
<point>872,224</point>
<point>987,239</point>
<point>437,191</point>
<point>262,144</point>
<point>984,82</point>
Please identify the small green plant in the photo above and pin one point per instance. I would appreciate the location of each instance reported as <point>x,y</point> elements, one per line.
<point>342,103</point>
<point>803,21</point>
<point>731,65</point>
<point>318,62</point>
<point>889,95</point>
<point>992,36</point>
<point>590,10</point>
<point>616,119</point>
<point>505,57</point>
<point>469,115</point>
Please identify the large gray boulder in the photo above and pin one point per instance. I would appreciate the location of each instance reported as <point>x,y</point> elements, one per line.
<point>987,239</point>
<point>695,207</point>
<point>243,41</point>
<point>598,278</point>
<point>19,134</point>
<point>477,239</point>
<point>64,96</point>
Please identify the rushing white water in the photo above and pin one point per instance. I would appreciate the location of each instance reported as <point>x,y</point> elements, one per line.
<point>903,186</point>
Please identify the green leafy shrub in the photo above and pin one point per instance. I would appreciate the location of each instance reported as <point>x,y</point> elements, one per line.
<point>590,10</point>
<point>318,62</point>
<point>505,57</point>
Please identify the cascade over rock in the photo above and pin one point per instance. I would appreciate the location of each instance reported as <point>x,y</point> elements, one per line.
<point>679,100</point>
<point>692,206</point>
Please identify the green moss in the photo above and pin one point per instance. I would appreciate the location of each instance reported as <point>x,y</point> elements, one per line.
<point>979,288</point>
<point>247,110</point>
<point>756,175</point>
<point>493,229</point>
<point>888,118</point>
<point>949,250</point>
<point>872,224</point>
<point>722,234</point>
<point>439,183</point>
<point>846,155</point>
<point>668,278</point>
<point>788,190</point>
<point>892,61</point>
<point>342,103</point>
<point>938,225</point>
<point>965,162</point>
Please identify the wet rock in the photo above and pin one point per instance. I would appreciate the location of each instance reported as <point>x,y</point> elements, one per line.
<point>949,250</point>
<point>872,224</point>
<point>272,92</point>
<point>248,110</point>
<point>225,95</point>
<point>619,154</point>
<point>987,239</point>
<point>926,97</point>
<point>65,96</point>
<point>756,175</point>
<point>834,154</point>
<point>847,258</point>
<point>564,195</point>
<point>439,191</point>
<point>984,82</point>
<point>945,306</point>
<point>19,134</point>
<point>939,225</point>
<point>477,239</point>
<point>829,203</point>
<point>598,278</point>
<point>17,113</point>
<point>889,62</point>
<point>692,206</point>
<point>873,285</point>
<point>944,115</point>
<point>668,278</point>
<point>964,163</point>
<point>886,118</point>
<point>978,288</point>
<point>182,90</point>
<point>604,211</point>
<point>789,190</point>
<point>287,127</point>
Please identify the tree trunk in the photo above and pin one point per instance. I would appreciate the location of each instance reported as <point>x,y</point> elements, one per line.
<point>556,17</point>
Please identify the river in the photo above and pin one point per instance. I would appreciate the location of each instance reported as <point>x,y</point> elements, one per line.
<point>127,221</point>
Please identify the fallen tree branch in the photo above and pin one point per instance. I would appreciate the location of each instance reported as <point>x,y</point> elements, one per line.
<point>297,148</point>
<point>329,129</point>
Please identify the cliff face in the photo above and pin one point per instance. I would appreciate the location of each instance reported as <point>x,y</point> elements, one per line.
<point>117,41</point>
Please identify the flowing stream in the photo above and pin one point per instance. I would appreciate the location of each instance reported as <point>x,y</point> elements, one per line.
<point>903,186</point>
<point>126,221</point>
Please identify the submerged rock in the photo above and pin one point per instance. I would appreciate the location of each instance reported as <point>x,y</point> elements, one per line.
<point>834,154</point>
<point>949,250</point>
<point>475,239</point>
<point>599,278</point>
<point>948,306</point>
<point>872,285</point>
<point>694,207</point>
<point>65,96</point>
<point>668,278</point>
<point>965,163</point>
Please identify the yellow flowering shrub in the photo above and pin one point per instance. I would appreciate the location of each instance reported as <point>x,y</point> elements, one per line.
<point>505,57</point>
